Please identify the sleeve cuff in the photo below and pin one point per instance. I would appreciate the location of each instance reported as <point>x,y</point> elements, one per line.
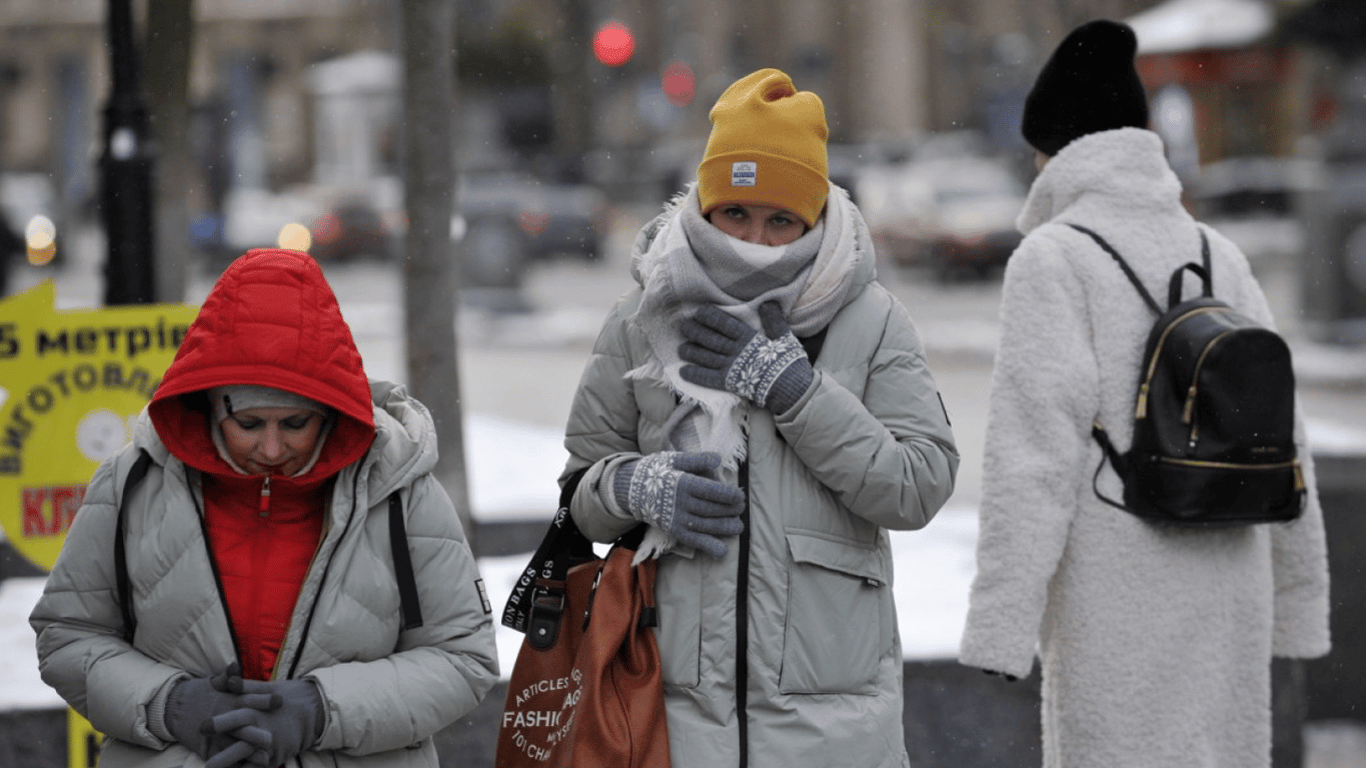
<point>156,710</point>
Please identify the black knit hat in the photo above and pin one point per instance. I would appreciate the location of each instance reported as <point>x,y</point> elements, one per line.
<point>1088,85</point>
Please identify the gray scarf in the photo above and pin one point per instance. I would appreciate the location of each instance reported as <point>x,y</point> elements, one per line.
<point>684,262</point>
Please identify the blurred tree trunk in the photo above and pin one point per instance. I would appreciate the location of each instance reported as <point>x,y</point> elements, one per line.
<point>571,90</point>
<point>167,49</point>
<point>427,34</point>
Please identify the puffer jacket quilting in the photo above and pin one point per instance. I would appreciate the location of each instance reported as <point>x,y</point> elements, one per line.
<point>867,449</point>
<point>385,689</point>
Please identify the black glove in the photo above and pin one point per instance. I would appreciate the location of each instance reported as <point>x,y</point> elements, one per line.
<point>670,490</point>
<point>293,723</point>
<point>193,702</point>
<point>769,369</point>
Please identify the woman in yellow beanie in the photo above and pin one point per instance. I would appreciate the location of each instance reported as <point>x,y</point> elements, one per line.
<point>763,404</point>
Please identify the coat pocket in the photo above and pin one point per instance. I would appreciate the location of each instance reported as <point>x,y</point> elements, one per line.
<point>680,587</point>
<point>836,601</point>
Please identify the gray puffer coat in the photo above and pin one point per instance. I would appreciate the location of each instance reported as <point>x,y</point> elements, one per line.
<point>386,690</point>
<point>785,652</point>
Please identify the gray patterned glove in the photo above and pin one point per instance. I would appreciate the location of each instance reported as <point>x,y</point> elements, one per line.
<point>770,369</point>
<point>671,491</point>
<point>291,725</point>
<point>194,702</point>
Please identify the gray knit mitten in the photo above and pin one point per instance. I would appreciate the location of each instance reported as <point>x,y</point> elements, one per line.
<point>672,491</point>
<point>290,726</point>
<point>770,369</point>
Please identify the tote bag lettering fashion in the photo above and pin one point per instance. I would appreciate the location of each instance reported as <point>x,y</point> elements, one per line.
<point>586,690</point>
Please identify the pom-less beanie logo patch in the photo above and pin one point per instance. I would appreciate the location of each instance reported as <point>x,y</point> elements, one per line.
<point>743,174</point>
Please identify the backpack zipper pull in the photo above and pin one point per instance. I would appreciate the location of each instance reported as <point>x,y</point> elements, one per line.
<point>265,497</point>
<point>1188,412</point>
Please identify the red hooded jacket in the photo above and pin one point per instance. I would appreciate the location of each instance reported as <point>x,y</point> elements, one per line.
<point>270,320</point>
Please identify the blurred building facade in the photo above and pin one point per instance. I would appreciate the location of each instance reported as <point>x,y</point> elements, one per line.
<point>247,90</point>
<point>887,69</point>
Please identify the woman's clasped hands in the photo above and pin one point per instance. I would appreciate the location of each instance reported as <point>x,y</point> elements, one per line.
<point>232,722</point>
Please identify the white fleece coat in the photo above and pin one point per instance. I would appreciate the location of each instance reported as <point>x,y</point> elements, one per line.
<point>1155,643</point>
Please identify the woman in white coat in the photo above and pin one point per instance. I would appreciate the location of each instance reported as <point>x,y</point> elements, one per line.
<point>1155,643</point>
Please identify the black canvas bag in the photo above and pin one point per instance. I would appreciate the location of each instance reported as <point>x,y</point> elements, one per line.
<point>1214,415</point>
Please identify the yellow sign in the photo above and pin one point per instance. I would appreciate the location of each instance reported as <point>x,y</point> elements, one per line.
<point>82,741</point>
<point>73,383</point>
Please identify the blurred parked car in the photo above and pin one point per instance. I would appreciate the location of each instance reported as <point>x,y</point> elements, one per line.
<point>955,215</point>
<point>1255,201</point>
<point>351,228</point>
<point>256,218</point>
<point>505,220</point>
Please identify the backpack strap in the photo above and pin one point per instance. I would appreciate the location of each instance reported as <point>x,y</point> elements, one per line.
<point>1110,453</point>
<point>1205,260</point>
<point>403,565</point>
<point>121,580</point>
<point>1124,265</point>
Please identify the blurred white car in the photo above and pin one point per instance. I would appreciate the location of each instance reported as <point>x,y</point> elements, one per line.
<point>953,214</point>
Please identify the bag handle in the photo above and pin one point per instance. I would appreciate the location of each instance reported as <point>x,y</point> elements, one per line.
<point>562,544</point>
<point>1201,270</point>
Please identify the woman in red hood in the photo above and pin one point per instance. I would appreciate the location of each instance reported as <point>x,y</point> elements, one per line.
<point>264,583</point>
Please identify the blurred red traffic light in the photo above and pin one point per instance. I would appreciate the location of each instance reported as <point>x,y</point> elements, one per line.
<point>679,84</point>
<point>613,44</point>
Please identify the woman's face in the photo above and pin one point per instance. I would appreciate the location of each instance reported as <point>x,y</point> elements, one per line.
<point>757,224</point>
<point>272,441</point>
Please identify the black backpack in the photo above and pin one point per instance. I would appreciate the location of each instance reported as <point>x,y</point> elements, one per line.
<point>1214,417</point>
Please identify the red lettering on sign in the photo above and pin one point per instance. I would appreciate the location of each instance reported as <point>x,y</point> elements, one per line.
<point>66,499</point>
<point>49,511</point>
<point>35,522</point>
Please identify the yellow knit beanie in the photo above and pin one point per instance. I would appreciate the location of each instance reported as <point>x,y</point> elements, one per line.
<point>767,147</point>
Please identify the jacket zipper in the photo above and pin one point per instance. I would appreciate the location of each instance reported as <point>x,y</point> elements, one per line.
<point>322,580</point>
<point>265,497</point>
<point>742,625</point>
<point>1141,408</point>
<point>201,509</point>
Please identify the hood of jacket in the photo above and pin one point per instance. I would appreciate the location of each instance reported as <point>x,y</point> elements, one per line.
<point>1124,169</point>
<point>270,320</point>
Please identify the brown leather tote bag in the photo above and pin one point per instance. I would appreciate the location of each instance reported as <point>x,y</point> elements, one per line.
<point>586,689</point>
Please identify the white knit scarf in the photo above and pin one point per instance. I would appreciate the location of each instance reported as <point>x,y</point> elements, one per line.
<point>684,262</point>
